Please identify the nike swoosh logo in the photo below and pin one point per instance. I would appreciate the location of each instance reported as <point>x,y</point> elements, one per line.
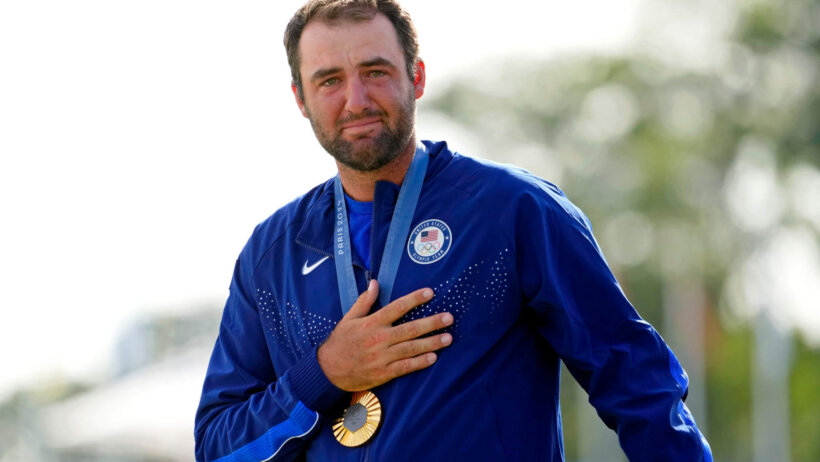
<point>308,269</point>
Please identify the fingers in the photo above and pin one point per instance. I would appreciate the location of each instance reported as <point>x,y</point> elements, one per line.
<point>419,346</point>
<point>366,350</point>
<point>419,327</point>
<point>365,301</point>
<point>400,306</point>
<point>406,366</point>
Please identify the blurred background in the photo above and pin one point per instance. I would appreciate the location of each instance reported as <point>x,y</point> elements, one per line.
<point>141,142</point>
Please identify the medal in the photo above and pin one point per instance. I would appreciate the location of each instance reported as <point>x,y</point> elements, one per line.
<point>360,421</point>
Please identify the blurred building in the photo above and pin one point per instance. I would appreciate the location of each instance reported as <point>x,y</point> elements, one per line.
<point>143,413</point>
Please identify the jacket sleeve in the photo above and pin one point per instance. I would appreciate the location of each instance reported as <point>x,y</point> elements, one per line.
<point>633,379</point>
<point>248,411</point>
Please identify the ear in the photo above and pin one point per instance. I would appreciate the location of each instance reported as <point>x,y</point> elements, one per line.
<point>299,101</point>
<point>420,78</point>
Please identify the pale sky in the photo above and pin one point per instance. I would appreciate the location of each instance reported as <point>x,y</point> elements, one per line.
<point>140,143</point>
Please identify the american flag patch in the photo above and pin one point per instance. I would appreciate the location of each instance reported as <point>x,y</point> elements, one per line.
<point>429,236</point>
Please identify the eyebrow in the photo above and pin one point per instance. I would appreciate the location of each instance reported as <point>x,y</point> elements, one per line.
<point>322,73</point>
<point>379,61</point>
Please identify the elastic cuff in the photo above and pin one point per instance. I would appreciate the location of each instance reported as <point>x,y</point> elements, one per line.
<point>311,386</point>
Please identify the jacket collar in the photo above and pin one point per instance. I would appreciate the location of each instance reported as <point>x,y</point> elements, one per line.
<point>317,231</point>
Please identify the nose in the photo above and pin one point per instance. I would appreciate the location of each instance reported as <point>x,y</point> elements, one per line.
<point>358,97</point>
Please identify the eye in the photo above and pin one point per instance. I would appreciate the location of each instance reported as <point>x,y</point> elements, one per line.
<point>377,73</point>
<point>330,82</point>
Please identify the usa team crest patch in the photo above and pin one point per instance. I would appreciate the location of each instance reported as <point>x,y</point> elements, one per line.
<point>429,241</point>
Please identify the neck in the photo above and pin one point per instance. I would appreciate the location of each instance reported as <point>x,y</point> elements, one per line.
<point>362,185</point>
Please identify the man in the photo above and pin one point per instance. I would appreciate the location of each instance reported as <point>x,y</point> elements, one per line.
<point>417,307</point>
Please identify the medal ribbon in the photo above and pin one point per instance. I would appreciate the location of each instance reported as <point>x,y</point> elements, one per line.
<point>399,227</point>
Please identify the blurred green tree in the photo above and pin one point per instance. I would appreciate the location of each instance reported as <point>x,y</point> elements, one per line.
<point>656,156</point>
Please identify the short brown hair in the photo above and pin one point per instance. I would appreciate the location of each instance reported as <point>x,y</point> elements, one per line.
<point>334,11</point>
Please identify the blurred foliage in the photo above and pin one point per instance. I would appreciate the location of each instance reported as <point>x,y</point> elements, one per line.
<point>728,375</point>
<point>805,405</point>
<point>644,148</point>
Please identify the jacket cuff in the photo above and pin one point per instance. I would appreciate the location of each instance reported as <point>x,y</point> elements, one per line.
<point>311,386</point>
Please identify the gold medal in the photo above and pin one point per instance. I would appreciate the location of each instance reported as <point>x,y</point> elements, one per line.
<point>360,421</point>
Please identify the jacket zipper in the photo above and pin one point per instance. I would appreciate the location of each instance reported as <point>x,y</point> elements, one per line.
<point>369,272</point>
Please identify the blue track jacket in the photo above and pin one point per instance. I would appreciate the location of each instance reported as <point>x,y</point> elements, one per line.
<point>514,262</point>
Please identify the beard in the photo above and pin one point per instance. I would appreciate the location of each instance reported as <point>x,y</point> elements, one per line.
<point>366,155</point>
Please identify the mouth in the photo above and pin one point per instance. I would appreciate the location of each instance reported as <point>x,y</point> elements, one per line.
<point>362,123</point>
<point>361,126</point>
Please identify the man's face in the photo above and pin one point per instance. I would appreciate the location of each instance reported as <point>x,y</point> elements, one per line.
<point>357,94</point>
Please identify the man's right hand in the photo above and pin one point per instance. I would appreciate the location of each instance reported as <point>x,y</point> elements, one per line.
<point>367,350</point>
